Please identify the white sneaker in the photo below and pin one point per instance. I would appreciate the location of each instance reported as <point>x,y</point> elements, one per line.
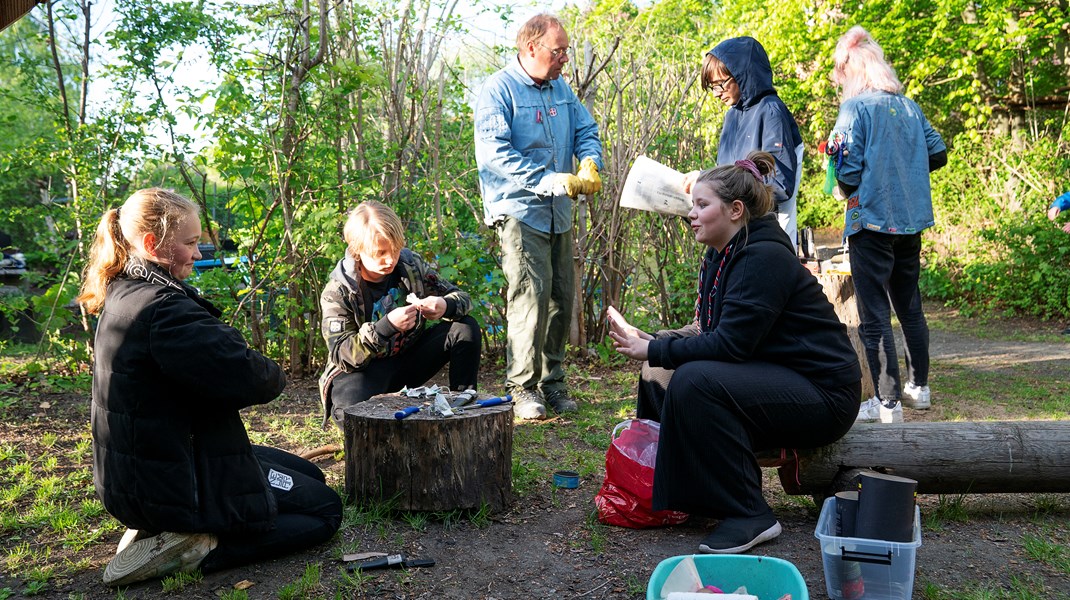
<point>918,398</point>
<point>891,415</point>
<point>869,412</point>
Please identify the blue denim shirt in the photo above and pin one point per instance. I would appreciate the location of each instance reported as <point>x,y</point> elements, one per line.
<point>1062,202</point>
<point>886,143</point>
<point>525,135</point>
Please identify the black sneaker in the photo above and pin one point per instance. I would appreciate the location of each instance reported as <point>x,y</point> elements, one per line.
<point>561,402</point>
<point>735,535</point>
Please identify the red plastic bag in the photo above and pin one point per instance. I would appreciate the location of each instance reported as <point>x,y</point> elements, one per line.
<point>628,490</point>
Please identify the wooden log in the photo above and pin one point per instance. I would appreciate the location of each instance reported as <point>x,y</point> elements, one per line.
<point>428,462</point>
<point>944,458</point>
<point>840,290</point>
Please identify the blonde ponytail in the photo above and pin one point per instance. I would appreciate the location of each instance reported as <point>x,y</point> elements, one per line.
<point>151,210</point>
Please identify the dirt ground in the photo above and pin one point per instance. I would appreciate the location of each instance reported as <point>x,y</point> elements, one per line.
<point>545,546</point>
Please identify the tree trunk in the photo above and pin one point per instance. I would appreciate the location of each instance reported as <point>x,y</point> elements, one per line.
<point>944,458</point>
<point>427,462</point>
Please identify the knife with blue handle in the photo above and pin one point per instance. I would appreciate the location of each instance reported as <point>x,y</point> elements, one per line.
<point>493,401</point>
<point>408,410</point>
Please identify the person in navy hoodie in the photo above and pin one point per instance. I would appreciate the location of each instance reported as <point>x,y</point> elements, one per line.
<point>737,70</point>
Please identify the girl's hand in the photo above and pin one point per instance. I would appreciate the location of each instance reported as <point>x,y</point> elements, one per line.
<point>689,181</point>
<point>619,324</point>
<point>631,346</point>
<point>1053,212</point>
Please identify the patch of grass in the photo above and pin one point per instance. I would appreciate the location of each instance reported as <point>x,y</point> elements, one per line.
<point>351,583</point>
<point>1021,588</point>
<point>634,585</point>
<point>949,509</point>
<point>1019,392</point>
<point>308,586</point>
<point>415,519</point>
<point>233,594</point>
<point>1048,552</point>
<point>179,581</point>
<point>480,517</point>
<point>596,532</point>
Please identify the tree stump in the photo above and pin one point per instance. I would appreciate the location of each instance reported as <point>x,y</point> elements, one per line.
<point>840,290</point>
<point>428,462</point>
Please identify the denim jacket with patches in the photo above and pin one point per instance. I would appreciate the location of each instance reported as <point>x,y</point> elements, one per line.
<point>886,142</point>
<point>525,134</point>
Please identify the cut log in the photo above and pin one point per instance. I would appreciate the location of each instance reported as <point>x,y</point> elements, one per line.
<point>428,462</point>
<point>840,290</point>
<point>944,458</point>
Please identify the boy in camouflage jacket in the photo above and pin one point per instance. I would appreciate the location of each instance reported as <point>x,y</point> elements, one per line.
<point>376,309</point>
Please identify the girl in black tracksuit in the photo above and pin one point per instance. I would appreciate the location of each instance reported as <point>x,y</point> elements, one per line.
<point>765,364</point>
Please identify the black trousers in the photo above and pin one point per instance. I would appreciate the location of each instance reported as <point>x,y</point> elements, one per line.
<point>885,269</point>
<point>310,512</point>
<point>458,343</point>
<point>714,415</point>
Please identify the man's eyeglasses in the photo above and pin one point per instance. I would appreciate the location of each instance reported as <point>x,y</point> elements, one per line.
<point>718,86</point>
<point>555,53</point>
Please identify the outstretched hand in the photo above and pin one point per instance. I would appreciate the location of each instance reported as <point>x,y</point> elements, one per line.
<point>627,339</point>
<point>689,181</point>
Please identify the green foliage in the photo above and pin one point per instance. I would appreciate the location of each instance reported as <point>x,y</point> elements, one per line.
<point>993,249</point>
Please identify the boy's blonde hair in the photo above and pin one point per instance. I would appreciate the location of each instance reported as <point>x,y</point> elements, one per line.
<point>368,224</point>
<point>151,210</point>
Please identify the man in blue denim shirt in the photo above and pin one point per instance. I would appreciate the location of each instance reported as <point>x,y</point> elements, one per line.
<point>529,126</point>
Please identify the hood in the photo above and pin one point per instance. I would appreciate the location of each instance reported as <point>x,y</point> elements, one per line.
<point>343,273</point>
<point>761,230</point>
<point>749,65</point>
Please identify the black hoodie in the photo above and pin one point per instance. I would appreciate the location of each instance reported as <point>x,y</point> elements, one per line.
<point>768,308</point>
<point>760,120</point>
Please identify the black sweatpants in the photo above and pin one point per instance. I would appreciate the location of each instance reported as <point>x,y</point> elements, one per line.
<point>714,415</point>
<point>885,269</point>
<point>310,512</point>
<point>457,342</point>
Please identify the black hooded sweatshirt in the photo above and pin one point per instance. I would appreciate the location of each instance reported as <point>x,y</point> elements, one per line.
<point>767,307</point>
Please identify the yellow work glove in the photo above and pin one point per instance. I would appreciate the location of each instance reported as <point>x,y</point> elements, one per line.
<point>572,185</point>
<point>588,174</point>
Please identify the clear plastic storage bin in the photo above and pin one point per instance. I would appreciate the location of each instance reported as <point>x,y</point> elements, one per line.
<point>861,568</point>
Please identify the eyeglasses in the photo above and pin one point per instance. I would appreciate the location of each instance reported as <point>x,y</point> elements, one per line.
<point>556,53</point>
<point>718,86</point>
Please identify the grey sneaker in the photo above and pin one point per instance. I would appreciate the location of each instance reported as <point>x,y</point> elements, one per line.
<point>916,397</point>
<point>131,536</point>
<point>527,405</point>
<point>158,556</point>
<point>561,402</point>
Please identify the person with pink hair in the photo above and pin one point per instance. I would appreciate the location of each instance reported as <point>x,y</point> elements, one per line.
<point>884,150</point>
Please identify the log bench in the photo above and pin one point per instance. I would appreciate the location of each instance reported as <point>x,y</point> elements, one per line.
<point>944,458</point>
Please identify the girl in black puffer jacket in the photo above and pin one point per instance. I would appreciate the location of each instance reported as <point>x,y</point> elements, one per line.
<point>171,457</point>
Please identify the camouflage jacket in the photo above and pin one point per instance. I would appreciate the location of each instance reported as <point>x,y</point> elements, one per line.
<point>354,338</point>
